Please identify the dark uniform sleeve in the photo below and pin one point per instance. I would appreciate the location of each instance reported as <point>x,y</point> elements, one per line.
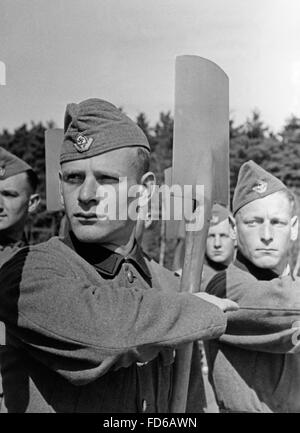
<point>269,316</point>
<point>74,327</point>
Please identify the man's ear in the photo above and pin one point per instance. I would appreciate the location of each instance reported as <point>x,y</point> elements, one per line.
<point>148,182</point>
<point>34,201</point>
<point>294,228</point>
<point>232,228</point>
<point>60,189</point>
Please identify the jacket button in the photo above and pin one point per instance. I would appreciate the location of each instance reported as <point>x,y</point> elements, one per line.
<point>144,405</point>
<point>130,276</point>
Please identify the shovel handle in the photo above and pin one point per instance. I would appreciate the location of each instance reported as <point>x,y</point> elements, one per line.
<point>190,282</point>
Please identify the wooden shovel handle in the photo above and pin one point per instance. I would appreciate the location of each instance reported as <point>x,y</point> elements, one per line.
<point>190,282</point>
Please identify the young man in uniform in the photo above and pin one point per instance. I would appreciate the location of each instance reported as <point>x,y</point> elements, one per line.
<point>255,366</point>
<point>219,252</point>
<point>92,323</point>
<point>219,244</point>
<point>18,198</point>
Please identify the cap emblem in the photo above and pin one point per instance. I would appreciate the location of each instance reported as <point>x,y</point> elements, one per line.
<point>214,219</point>
<point>82,143</point>
<point>260,187</point>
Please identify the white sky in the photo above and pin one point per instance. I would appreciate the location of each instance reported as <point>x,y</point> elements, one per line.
<point>61,51</point>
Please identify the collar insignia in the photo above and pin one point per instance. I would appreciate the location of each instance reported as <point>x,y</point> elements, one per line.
<point>82,143</point>
<point>260,187</point>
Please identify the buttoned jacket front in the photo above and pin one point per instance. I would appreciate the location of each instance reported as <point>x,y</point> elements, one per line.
<point>82,339</point>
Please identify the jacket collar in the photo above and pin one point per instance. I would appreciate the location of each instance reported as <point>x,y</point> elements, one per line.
<point>13,243</point>
<point>216,266</point>
<point>107,262</point>
<point>261,274</point>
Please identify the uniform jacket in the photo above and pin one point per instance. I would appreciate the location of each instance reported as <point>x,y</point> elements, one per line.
<point>94,334</point>
<point>7,250</point>
<point>209,270</point>
<point>255,366</point>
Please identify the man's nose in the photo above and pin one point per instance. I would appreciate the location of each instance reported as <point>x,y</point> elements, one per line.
<point>266,235</point>
<point>217,242</point>
<point>88,191</point>
<point>1,204</point>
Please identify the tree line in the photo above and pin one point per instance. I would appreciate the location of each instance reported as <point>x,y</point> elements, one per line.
<point>278,153</point>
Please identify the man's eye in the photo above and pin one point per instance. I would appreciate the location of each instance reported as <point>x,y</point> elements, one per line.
<point>251,223</point>
<point>278,223</point>
<point>107,180</point>
<point>9,194</point>
<point>73,178</point>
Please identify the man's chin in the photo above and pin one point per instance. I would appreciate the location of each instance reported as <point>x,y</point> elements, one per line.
<point>90,235</point>
<point>3,224</point>
<point>266,262</point>
<point>218,259</point>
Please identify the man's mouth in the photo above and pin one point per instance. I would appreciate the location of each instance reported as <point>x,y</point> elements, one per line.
<point>266,250</point>
<point>85,216</point>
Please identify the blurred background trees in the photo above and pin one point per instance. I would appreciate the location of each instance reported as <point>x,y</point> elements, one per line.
<point>278,153</point>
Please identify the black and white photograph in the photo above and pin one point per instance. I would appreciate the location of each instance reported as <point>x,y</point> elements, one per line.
<point>149,210</point>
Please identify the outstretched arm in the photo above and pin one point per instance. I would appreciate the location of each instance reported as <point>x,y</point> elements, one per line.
<point>269,314</point>
<point>75,327</point>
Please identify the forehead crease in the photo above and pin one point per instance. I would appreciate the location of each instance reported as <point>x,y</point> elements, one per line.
<point>270,214</point>
<point>94,172</point>
<point>74,165</point>
<point>263,207</point>
<point>109,162</point>
<point>280,208</point>
<point>218,230</point>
